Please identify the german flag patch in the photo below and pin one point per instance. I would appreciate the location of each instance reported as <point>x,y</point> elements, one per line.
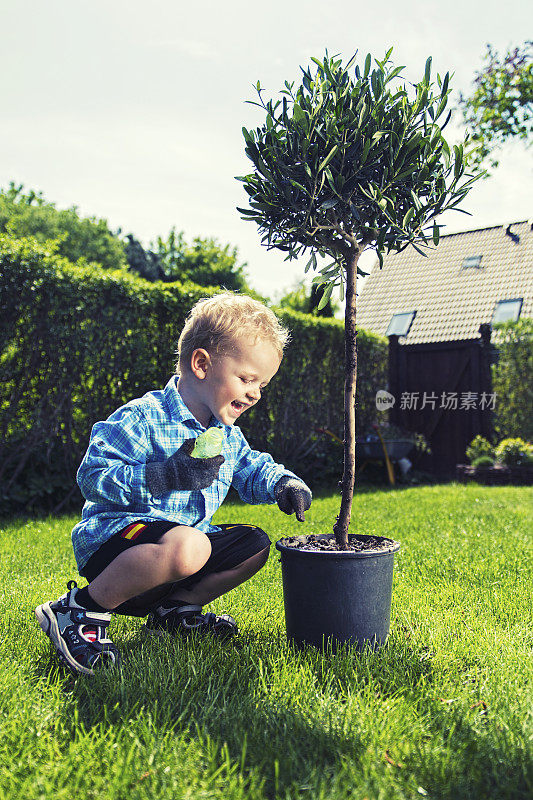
<point>132,531</point>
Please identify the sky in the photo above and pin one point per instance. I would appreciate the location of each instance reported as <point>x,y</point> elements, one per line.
<point>133,111</point>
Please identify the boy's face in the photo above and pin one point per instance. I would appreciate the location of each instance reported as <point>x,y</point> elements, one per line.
<point>232,382</point>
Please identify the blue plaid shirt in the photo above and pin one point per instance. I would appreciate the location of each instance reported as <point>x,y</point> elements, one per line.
<point>112,475</point>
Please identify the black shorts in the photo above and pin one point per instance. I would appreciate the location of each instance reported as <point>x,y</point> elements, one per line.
<point>230,546</point>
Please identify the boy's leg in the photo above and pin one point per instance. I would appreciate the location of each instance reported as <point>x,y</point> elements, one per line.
<point>79,632</point>
<point>179,552</point>
<point>218,583</point>
<point>237,553</point>
<point>200,567</point>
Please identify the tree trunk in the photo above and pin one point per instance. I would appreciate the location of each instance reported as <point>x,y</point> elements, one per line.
<point>340,528</point>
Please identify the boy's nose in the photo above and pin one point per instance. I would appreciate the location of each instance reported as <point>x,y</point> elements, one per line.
<point>254,394</point>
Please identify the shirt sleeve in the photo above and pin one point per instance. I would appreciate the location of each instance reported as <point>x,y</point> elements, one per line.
<point>256,474</point>
<point>113,469</point>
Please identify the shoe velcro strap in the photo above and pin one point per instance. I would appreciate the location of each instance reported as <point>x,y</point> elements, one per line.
<point>83,616</point>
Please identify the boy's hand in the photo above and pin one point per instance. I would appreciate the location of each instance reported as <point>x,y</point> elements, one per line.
<point>293,496</point>
<point>182,472</point>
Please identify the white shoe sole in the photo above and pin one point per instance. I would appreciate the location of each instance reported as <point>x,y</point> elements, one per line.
<point>48,622</point>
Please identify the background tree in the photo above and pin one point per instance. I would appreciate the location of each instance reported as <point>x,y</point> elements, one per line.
<point>204,261</point>
<point>500,107</point>
<point>299,298</point>
<point>29,214</point>
<point>347,160</point>
<point>145,263</point>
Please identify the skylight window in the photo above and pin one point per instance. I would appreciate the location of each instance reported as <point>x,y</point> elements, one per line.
<point>400,323</point>
<point>472,262</point>
<point>507,311</point>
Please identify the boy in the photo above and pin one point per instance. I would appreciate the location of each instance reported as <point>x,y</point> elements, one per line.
<point>145,541</point>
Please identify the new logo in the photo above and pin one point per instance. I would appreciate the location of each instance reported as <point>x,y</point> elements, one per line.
<point>384,400</point>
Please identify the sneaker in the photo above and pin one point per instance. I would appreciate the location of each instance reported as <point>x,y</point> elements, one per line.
<point>79,635</point>
<point>187,619</point>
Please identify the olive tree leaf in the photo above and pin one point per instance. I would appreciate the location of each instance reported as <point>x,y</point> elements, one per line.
<point>328,157</point>
<point>351,157</point>
<point>427,72</point>
<point>326,297</point>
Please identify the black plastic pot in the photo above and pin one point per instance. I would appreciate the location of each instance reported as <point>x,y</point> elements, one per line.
<point>337,596</point>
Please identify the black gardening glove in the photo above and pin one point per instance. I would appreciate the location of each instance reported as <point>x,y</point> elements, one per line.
<point>292,496</point>
<point>182,472</point>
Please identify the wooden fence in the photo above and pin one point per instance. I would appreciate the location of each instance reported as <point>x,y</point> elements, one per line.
<point>443,390</point>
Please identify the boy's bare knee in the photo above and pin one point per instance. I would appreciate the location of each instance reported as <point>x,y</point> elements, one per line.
<point>256,562</point>
<point>187,550</point>
<point>262,556</point>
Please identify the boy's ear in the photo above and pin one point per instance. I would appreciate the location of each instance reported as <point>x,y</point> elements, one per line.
<point>200,363</point>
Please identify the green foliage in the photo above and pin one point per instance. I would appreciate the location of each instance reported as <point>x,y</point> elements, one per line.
<point>204,262</point>
<point>24,215</point>
<point>78,341</point>
<point>345,160</point>
<point>512,379</point>
<point>500,107</point>
<point>352,158</point>
<point>483,461</point>
<point>305,396</point>
<point>145,263</point>
<point>171,253</point>
<point>421,444</point>
<point>321,303</point>
<point>479,447</point>
<point>299,299</point>
<point>514,452</point>
<point>509,451</point>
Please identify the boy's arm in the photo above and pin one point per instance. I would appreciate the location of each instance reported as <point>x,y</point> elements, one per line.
<point>257,477</point>
<point>113,469</point>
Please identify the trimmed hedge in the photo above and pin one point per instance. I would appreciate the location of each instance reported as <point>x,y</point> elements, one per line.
<point>78,341</point>
<point>308,393</point>
<point>512,380</point>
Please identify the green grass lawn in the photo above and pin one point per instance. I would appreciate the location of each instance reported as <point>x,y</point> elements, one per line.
<point>444,710</point>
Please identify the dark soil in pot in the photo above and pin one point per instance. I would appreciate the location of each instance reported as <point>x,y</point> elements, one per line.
<point>355,543</point>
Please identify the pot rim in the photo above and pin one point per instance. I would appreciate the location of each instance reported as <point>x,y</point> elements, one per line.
<point>339,553</point>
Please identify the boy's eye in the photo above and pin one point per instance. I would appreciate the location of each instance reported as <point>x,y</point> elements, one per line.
<point>251,380</point>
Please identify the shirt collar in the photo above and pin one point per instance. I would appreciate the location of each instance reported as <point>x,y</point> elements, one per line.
<point>179,410</point>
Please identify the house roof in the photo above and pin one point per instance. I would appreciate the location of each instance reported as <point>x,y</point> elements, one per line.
<point>450,301</point>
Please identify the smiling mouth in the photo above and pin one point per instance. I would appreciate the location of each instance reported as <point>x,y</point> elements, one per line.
<point>235,404</point>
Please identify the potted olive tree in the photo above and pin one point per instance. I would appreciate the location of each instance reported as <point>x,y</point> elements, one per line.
<point>352,158</point>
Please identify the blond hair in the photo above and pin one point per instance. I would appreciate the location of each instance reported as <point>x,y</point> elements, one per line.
<point>215,323</point>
